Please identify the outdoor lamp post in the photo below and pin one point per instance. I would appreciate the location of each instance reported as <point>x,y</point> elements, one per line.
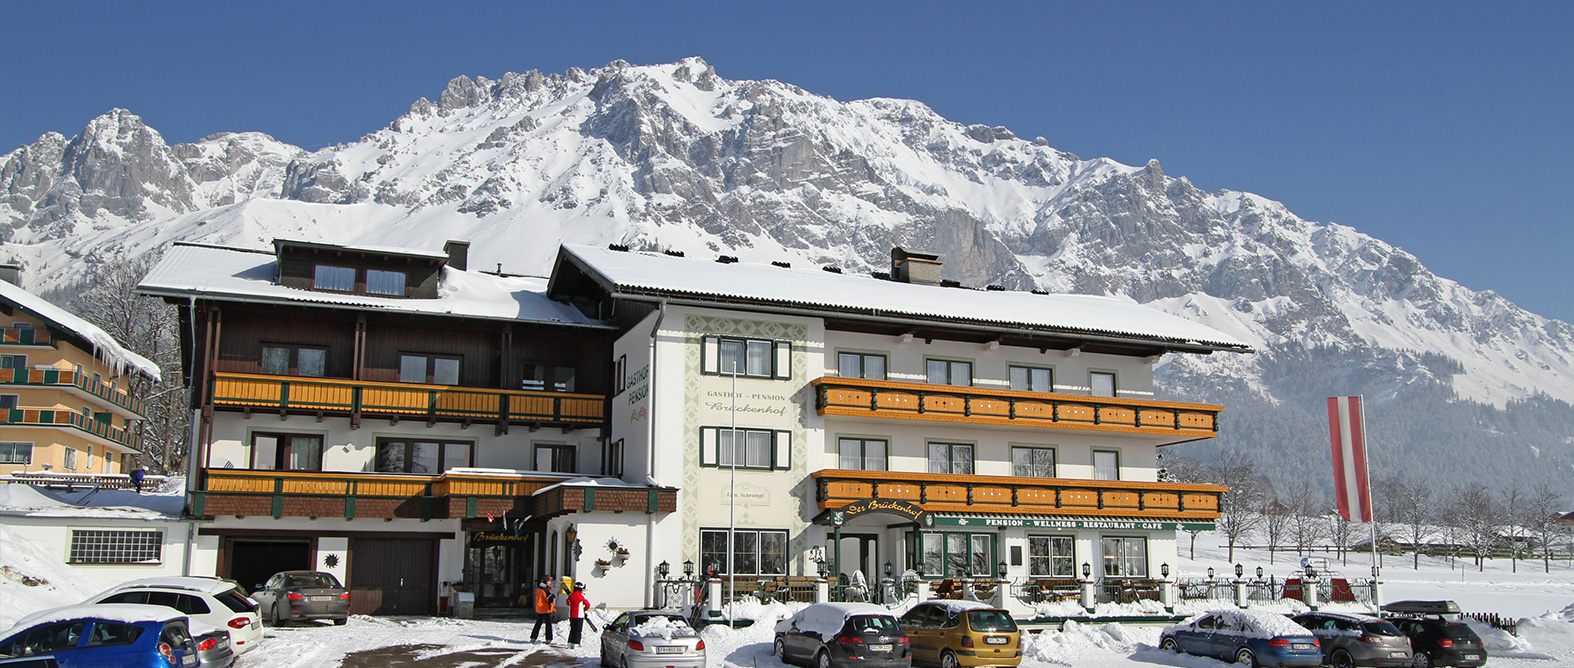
<point>1164,570</point>
<point>1002,570</point>
<point>1087,570</point>
<point>888,569</point>
<point>1239,571</point>
<point>688,568</point>
<point>1088,599</point>
<point>1166,591</point>
<point>662,569</point>
<point>1259,572</point>
<point>1210,574</point>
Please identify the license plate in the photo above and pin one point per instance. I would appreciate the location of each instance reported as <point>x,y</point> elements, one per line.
<point>1472,657</point>
<point>880,648</point>
<point>1301,645</point>
<point>668,649</point>
<point>996,640</point>
<point>320,599</point>
<point>1396,655</point>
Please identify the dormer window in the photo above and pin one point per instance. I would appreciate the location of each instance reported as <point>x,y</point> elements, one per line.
<point>381,282</point>
<point>337,279</point>
<point>340,278</point>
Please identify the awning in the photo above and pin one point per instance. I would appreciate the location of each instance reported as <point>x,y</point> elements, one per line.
<point>984,520</point>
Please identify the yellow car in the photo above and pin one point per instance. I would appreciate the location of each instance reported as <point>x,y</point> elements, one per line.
<point>954,634</point>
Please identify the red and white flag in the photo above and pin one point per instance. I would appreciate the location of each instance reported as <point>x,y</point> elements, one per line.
<point>1346,426</point>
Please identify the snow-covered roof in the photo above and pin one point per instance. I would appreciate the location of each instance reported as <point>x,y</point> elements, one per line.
<point>1258,623</point>
<point>956,605</point>
<point>584,481</point>
<point>633,274</point>
<point>27,500</point>
<point>210,585</point>
<point>396,251</point>
<point>213,272</point>
<point>105,347</point>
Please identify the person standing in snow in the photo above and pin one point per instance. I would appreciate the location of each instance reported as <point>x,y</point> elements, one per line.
<point>578,605</point>
<point>546,605</point>
<point>137,476</point>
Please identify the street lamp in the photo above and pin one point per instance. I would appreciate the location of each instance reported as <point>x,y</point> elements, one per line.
<point>1239,570</point>
<point>1210,572</point>
<point>820,566</point>
<point>1087,570</point>
<point>1259,572</point>
<point>888,569</point>
<point>1164,570</point>
<point>1002,570</point>
<point>662,569</point>
<point>688,568</point>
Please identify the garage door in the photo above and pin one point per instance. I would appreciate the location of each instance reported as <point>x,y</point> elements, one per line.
<point>392,576</point>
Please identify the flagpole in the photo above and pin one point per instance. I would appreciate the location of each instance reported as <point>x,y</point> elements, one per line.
<point>1366,440</point>
<point>732,501</point>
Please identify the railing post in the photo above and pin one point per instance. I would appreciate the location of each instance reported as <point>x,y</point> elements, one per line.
<point>713,596</point>
<point>278,498</point>
<point>822,591</point>
<point>284,395</point>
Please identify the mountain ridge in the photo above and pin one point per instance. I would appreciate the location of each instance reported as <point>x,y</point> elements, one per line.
<point>674,156</point>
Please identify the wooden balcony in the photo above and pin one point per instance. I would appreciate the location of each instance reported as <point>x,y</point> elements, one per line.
<point>386,495</point>
<point>26,336</point>
<point>57,419</point>
<point>858,397</point>
<point>947,493</point>
<point>294,394</point>
<point>81,384</point>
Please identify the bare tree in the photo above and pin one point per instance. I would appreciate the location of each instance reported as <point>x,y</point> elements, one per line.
<point>1541,510</point>
<point>1478,516</point>
<point>1513,510</point>
<point>148,327</point>
<point>1275,523</point>
<point>1306,507</point>
<point>1238,507</point>
<point>1408,504</point>
<point>1185,469</point>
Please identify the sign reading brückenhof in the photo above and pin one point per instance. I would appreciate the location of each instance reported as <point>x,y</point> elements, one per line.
<point>910,511</point>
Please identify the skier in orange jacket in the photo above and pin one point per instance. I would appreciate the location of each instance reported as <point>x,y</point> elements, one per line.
<point>546,606</point>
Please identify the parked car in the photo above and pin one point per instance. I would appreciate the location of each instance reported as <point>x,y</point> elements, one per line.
<point>1356,640</point>
<point>836,635</point>
<point>962,633</point>
<point>1437,638</point>
<point>210,601</point>
<point>125,636</point>
<point>1247,637</point>
<point>302,595</point>
<point>651,639</point>
<point>214,646</point>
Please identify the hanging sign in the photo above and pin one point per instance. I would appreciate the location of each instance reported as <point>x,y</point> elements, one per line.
<point>490,538</point>
<point>911,511</point>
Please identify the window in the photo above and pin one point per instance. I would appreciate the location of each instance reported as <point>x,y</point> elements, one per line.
<point>13,361</point>
<point>12,452</point>
<point>863,454</point>
<point>861,365</point>
<point>612,459</point>
<point>540,376</point>
<point>22,325</point>
<point>1051,556</point>
<point>1106,465</point>
<point>1125,556</point>
<point>382,282</point>
<point>1033,462</point>
<point>49,639</point>
<point>555,458</point>
<point>93,546</point>
<point>330,277</point>
<point>955,554</point>
<point>287,360</point>
<point>429,369</point>
<point>107,634</point>
<point>755,358</point>
<point>71,459</point>
<point>755,552</point>
<point>286,452</point>
<point>1102,383</point>
<point>950,458</point>
<point>754,448</point>
<point>950,372</point>
<point>1032,379</point>
<point>420,457</point>
<point>10,401</point>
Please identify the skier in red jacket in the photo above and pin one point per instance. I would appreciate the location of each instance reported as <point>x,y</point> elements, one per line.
<point>578,605</point>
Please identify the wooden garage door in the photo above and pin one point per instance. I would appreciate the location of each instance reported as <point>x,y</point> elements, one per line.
<point>392,576</point>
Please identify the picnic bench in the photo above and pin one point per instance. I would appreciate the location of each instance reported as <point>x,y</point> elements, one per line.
<point>1054,590</point>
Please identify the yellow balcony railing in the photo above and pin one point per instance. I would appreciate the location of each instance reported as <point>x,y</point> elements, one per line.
<point>953,493</point>
<point>405,400</point>
<point>974,405</point>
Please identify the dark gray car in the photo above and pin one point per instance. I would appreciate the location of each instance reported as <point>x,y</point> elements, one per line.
<point>303,595</point>
<point>1357,640</point>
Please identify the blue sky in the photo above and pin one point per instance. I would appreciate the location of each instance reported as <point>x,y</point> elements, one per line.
<point>1442,127</point>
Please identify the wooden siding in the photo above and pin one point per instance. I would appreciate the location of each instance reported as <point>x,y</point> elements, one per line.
<point>297,268</point>
<point>936,492</point>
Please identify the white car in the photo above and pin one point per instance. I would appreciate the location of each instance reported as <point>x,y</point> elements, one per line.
<point>211,601</point>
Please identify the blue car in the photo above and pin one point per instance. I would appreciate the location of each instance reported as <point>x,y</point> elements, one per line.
<point>1247,637</point>
<point>101,636</point>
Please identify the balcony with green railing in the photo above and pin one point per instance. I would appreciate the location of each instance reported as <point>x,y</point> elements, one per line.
<point>79,383</point>
<point>66,419</point>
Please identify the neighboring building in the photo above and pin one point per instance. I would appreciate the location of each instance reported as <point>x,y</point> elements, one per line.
<point>390,417</point>
<point>894,420</point>
<point>64,400</point>
<point>109,535</point>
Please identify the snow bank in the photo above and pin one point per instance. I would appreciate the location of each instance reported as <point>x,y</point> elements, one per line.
<point>33,580</point>
<point>1077,644</point>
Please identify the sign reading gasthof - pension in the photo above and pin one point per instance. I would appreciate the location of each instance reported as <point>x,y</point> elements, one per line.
<point>1069,523</point>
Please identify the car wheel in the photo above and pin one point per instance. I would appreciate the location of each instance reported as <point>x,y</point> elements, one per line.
<point>822,660</point>
<point>780,650</point>
<point>948,660</point>
<point>1421,660</point>
<point>1169,645</point>
<point>1246,658</point>
<point>1342,659</point>
<point>277,620</point>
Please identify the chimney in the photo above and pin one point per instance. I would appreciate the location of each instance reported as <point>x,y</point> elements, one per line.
<point>915,267</point>
<point>458,254</point>
<point>11,273</point>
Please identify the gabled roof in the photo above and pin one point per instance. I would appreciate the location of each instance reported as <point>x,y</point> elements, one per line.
<point>232,274</point>
<point>652,276</point>
<point>105,347</point>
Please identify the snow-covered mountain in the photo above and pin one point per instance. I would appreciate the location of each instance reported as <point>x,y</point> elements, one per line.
<point>674,156</point>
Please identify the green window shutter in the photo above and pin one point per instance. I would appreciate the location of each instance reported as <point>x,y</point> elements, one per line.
<point>782,458</point>
<point>708,440</point>
<point>783,365</point>
<point>710,354</point>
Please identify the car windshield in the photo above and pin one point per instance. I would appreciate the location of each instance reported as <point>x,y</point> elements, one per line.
<point>881,624</point>
<point>991,620</point>
<point>310,580</point>
<point>1381,629</point>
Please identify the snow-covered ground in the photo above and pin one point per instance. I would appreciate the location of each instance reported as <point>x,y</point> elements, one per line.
<point>1544,603</point>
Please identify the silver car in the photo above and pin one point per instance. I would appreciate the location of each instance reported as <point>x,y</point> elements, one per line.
<point>214,647</point>
<point>651,639</point>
